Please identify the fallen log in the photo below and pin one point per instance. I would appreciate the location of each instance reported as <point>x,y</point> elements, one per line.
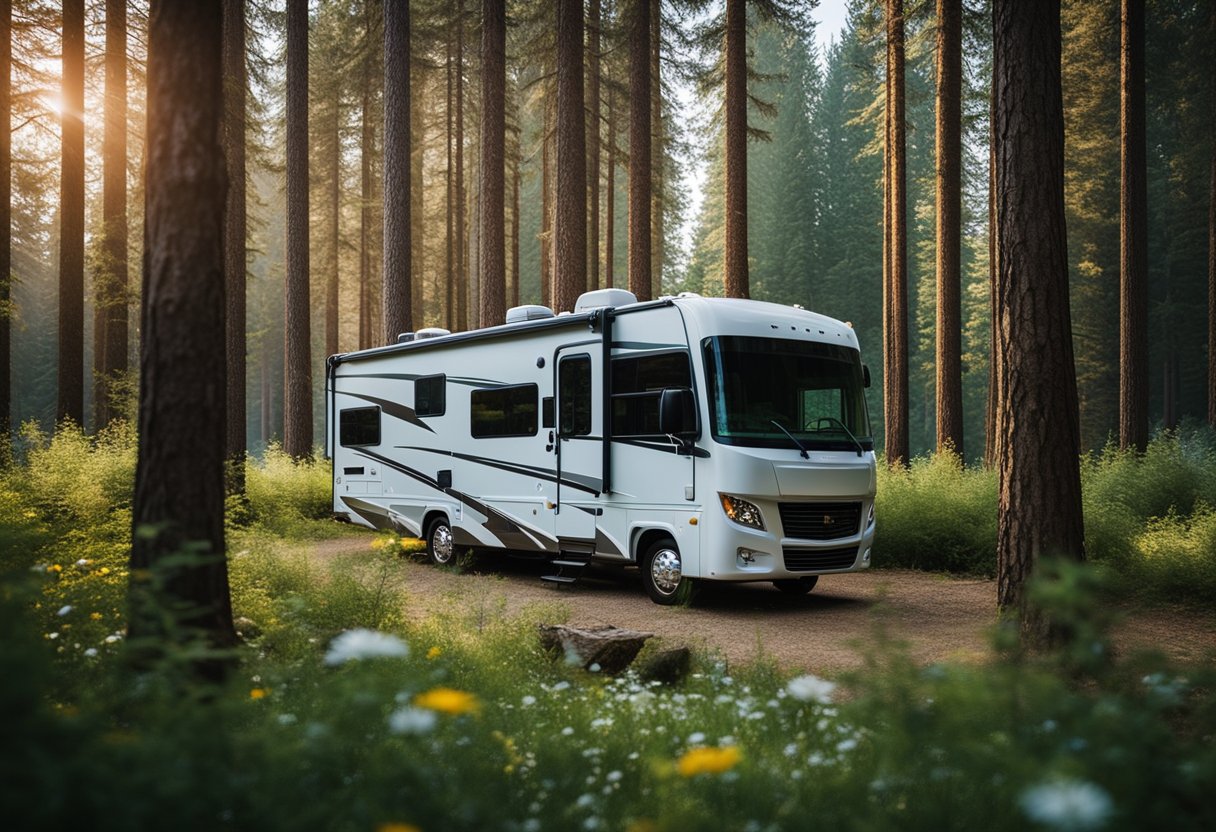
<point>610,649</point>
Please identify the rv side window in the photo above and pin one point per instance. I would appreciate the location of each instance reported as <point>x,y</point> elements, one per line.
<point>359,426</point>
<point>430,395</point>
<point>636,385</point>
<point>574,395</point>
<point>504,411</point>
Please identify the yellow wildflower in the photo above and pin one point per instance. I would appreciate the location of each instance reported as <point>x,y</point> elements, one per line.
<point>448,701</point>
<point>642,825</point>
<point>379,543</point>
<point>433,653</point>
<point>259,693</point>
<point>708,761</point>
<point>397,826</point>
<point>105,570</point>
<point>54,567</point>
<point>95,616</point>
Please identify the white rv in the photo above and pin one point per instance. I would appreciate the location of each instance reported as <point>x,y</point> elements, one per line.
<point>696,438</point>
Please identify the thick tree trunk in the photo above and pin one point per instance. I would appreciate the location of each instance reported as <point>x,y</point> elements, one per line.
<point>658,190</point>
<point>895,373</point>
<point>71,219</point>
<point>297,362</point>
<point>1039,498</point>
<point>398,312</point>
<point>334,221</point>
<point>6,227</point>
<point>110,278</point>
<point>1212,240</point>
<point>949,226</point>
<point>449,201</point>
<point>178,507</point>
<point>417,251</point>
<point>570,233</point>
<point>990,434</point>
<point>368,337</point>
<point>546,208</point>
<point>234,239</point>
<point>492,239</point>
<point>593,144</point>
<point>610,196</point>
<point>640,175</point>
<point>735,269</point>
<point>462,277</point>
<point>1133,233</point>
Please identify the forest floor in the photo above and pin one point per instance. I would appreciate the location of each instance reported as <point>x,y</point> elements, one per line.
<point>938,617</point>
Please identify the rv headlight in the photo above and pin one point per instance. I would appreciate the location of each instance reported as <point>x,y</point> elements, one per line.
<point>741,511</point>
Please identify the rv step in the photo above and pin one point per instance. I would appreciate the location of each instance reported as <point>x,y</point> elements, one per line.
<point>559,579</point>
<point>578,564</point>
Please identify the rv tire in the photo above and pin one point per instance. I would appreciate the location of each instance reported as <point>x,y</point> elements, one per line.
<point>439,545</point>
<point>662,575</point>
<point>797,586</point>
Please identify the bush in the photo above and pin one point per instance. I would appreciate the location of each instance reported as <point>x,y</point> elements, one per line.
<point>287,496</point>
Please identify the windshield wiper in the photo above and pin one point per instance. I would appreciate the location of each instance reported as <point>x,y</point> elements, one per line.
<point>801,449</point>
<point>860,449</point>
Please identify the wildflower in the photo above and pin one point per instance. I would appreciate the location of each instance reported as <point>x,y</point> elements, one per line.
<point>847,744</point>
<point>811,688</point>
<point>95,616</point>
<point>91,652</point>
<point>54,567</point>
<point>1067,805</point>
<point>433,653</point>
<point>708,761</point>
<point>528,701</point>
<point>397,826</point>
<point>412,721</point>
<point>258,693</point>
<point>448,701</point>
<point>696,739</point>
<point>52,636</point>
<point>567,731</point>
<point>64,610</point>
<point>105,570</point>
<point>354,645</point>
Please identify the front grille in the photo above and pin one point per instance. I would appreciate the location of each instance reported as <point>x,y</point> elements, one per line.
<point>800,559</point>
<point>820,521</point>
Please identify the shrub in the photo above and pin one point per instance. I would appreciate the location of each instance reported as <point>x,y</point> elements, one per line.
<point>286,495</point>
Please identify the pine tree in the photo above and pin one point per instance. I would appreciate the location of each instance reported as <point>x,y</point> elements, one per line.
<point>640,180</point>
<point>397,304</point>
<point>297,389</point>
<point>570,231</point>
<point>949,226</point>
<point>735,136</point>
<point>491,239</point>
<point>6,224</point>
<point>895,330</point>
<point>234,238</point>
<point>594,25</point>
<point>71,219</point>
<point>1133,233</point>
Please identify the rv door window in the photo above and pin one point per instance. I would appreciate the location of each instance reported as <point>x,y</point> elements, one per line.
<point>574,395</point>
<point>504,411</point>
<point>429,395</point>
<point>637,383</point>
<point>359,426</point>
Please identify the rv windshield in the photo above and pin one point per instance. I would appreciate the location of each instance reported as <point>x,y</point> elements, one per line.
<point>814,390</point>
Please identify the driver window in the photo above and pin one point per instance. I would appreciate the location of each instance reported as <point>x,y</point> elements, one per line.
<point>820,404</point>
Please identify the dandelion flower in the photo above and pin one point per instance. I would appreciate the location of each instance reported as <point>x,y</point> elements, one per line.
<point>397,826</point>
<point>354,645</point>
<point>412,721</point>
<point>258,693</point>
<point>434,653</point>
<point>1067,805</point>
<point>448,701</point>
<point>811,688</point>
<point>708,761</point>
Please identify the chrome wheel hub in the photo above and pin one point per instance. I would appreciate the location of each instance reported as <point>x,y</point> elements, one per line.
<point>665,570</point>
<point>441,544</point>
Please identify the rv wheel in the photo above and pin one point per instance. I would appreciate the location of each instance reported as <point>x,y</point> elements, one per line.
<point>439,543</point>
<point>663,576</point>
<point>797,586</point>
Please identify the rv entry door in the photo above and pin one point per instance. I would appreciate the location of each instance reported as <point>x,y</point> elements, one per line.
<point>579,441</point>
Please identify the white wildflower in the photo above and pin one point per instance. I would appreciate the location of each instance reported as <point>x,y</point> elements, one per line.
<point>91,652</point>
<point>584,800</point>
<point>1067,805</point>
<point>696,738</point>
<point>594,667</point>
<point>64,610</point>
<point>113,638</point>
<point>412,720</point>
<point>528,701</point>
<point>354,645</point>
<point>82,563</point>
<point>559,687</point>
<point>613,776</point>
<point>567,731</point>
<point>847,744</point>
<point>811,688</point>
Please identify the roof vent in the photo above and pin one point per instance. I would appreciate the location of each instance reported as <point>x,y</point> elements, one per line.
<point>431,332</point>
<point>600,298</point>
<point>528,312</point>
<point>405,337</point>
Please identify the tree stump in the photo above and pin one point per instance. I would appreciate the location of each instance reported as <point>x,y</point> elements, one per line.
<point>611,648</point>
<point>669,667</point>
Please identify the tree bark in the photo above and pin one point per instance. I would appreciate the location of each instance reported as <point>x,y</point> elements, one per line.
<point>6,227</point>
<point>735,269</point>
<point>546,207</point>
<point>990,434</point>
<point>1039,497</point>
<point>640,175</point>
<point>178,506</point>
<point>610,196</point>
<point>449,199</point>
<point>234,239</point>
<point>462,277</point>
<point>570,233</point>
<point>71,219</point>
<point>398,313</point>
<point>334,220</point>
<point>368,337</point>
<point>1133,233</point>
<point>492,239</point>
<point>417,251</point>
<point>895,373</point>
<point>515,229</point>
<point>297,390</point>
<point>1212,238</point>
<point>658,189</point>
<point>949,227</point>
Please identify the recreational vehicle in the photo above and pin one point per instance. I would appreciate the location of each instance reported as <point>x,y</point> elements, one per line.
<point>695,438</point>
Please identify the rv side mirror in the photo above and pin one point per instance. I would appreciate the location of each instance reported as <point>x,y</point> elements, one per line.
<point>865,374</point>
<point>676,412</point>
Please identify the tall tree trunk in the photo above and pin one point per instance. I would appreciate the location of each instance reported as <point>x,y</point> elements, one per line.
<point>71,220</point>
<point>297,362</point>
<point>640,175</point>
<point>1039,496</point>
<point>895,374</point>
<point>1212,237</point>
<point>234,239</point>
<point>610,196</point>
<point>462,277</point>
<point>658,191</point>
<point>334,220</point>
<point>492,239</point>
<point>735,274</point>
<point>368,337</point>
<point>570,232</point>
<point>179,477</point>
<point>593,144</point>
<point>6,226</point>
<point>515,229</point>
<point>417,203</point>
<point>949,226</point>
<point>990,434</point>
<point>1133,233</point>
<point>546,207</point>
<point>398,313</point>
<point>110,279</point>
<point>449,200</point>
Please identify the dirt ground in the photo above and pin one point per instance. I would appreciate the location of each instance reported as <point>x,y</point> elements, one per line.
<point>938,617</point>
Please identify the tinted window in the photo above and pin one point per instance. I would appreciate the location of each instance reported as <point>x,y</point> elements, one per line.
<point>359,426</point>
<point>430,397</point>
<point>636,385</point>
<point>504,411</point>
<point>574,397</point>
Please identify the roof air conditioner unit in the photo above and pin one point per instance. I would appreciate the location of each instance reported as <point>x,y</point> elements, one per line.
<point>528,312</point>
<point>431,332</point>
<point>600,298</point>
